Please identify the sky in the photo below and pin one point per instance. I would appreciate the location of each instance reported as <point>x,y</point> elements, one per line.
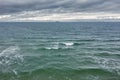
<point>59,10</point>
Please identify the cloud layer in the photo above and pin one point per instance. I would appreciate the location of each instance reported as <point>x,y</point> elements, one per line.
<point>31,9</point>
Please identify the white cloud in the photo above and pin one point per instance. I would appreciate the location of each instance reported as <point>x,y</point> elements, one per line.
<point>4,16</point>
<point>45,16</point>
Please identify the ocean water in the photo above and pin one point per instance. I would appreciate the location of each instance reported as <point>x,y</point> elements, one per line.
<point>60,51</point>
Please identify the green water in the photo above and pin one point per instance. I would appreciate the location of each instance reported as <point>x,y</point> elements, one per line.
<point>60,51</point>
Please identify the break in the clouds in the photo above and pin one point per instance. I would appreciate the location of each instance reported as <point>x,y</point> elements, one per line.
<point>42,10</point>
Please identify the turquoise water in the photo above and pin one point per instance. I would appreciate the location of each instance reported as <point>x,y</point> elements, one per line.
<point>60,51</point>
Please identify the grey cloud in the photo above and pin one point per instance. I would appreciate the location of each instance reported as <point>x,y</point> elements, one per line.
<point>13,6</point>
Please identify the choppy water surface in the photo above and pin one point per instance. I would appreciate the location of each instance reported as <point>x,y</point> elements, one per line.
<point>60,51</point>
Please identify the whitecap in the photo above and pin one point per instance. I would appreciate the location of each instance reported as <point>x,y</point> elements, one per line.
<point>60,45</point>
<point>68,43</point>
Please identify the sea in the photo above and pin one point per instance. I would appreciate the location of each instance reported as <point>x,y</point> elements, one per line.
<point>59,50</point>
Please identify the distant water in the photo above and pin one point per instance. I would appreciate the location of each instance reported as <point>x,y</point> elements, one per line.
<point>60,51</point>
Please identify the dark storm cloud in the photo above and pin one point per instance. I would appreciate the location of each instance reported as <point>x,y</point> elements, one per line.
<point>13,6</point>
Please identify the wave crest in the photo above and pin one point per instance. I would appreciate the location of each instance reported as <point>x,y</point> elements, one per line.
<point>68,43</point>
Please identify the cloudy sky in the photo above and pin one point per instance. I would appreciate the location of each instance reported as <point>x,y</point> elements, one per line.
<point>58,10</point>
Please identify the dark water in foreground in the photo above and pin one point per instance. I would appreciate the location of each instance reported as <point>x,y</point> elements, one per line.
<point>60,51</point>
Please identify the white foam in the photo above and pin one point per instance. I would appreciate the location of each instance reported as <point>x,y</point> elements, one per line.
<point>9,51</point>
<point>15,72</point>
<point>109,64</point>
<point>60,45</point>
<point>68,43</point>
<point>9,57</point>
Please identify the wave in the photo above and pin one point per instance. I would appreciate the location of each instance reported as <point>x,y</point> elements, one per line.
<point>56,48</point>
<point>50,48</point>
<point>10,50</point>
<point>67,43</point>
<point>72,43</point>
<point>81,74</point>
<point>82,40</point>
<point>112,40</point>
<point>110,64</point>
<point>56,74</point>
<point>10,57</point>
<point>79,70</point>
